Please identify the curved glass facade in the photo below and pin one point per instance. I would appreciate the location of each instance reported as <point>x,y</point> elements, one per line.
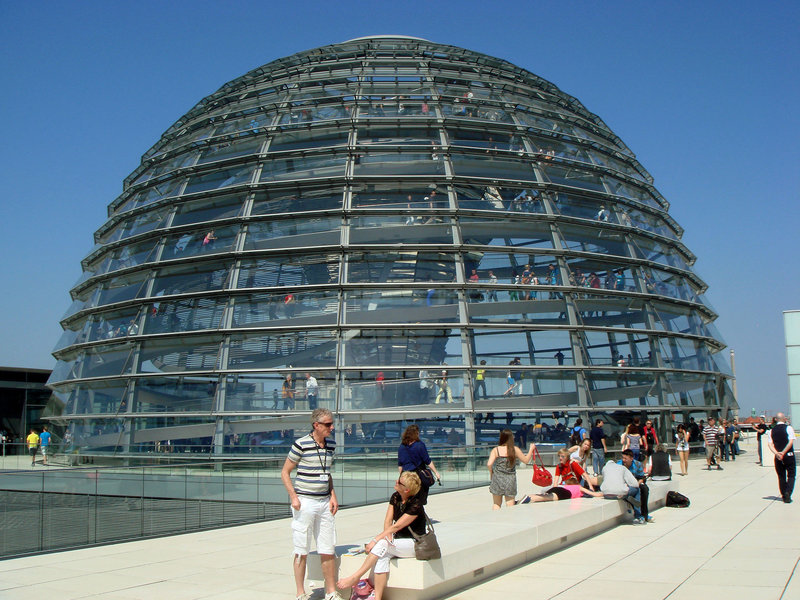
<point>401,220</point>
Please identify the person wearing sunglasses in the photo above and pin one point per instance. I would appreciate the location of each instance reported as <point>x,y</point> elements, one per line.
<point>404,514</point>
<point>313,500</point>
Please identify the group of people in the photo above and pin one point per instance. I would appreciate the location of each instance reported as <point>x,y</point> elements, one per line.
<point>37,442</point>
<point>622,479</point>
<point>314,505</point>
<point>314,502</point>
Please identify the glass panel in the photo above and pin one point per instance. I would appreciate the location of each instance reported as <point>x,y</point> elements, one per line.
<point>506,232</point>
<point>387,388</point>
<point>102,361</point>
<point>189,314</point>
<point>119,289</point>
<point>273,351</point>
<point>224,150</point>
<point>551,347</point>
<point>571,176</point>
<point>97,397</point>
<point>220,179</point>
<point>204,241</point>
<point>114,324</point>
<point>682,353</point>
<point>394,135</point>
<point>400,163</point>
<point>393,229</point>
<point>401,347</point>
<point>179,354</point>
<point>657,252</point>
<point>174,394</point>
<point>274,310</point>
<point>396,267</point>
<point>591,239</point>
<point>594,274</point>
<point>259,392</point>
<point>503,199</point>
<point>296,139</point>
<point>209,209</point>
<point>400,195</point>
<point>614,311</point>
<point>668,284</point>
<point>291,270</point>
<point>623,386</point>
<point>329,165</point>
<point>185,279</point>
<point>271,202</point>
<point>266,392</point>
<point>492,165</point>
<point>365,307</point>
<point>156,192</point>
<point>293,233</point>
<point>141,223</point>
<point>132,255</point>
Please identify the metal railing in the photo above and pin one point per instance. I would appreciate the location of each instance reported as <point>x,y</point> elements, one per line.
<point>48,509</point>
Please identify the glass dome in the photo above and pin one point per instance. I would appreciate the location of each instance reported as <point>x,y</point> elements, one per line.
<point>430,233</point>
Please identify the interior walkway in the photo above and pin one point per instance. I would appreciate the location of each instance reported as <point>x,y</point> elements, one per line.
<point>737,540</point>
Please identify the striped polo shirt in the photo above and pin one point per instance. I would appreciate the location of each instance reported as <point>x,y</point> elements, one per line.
<point>710,435</point>
<point>312,461</point>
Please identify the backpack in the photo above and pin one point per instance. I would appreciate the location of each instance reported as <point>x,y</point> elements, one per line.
<point>651,439</point>
<point>363,590</point>
<point>575,439</point>
<point>677,500</point>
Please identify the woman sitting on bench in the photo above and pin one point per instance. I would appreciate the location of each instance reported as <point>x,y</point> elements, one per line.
<point>404,513</point>
<point>567,482</point>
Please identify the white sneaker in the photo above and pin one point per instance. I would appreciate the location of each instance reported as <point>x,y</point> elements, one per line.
<point>333,596</point>
<point>303,597</point>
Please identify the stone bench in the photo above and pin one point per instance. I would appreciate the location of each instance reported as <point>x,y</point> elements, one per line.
<point>478,545</point>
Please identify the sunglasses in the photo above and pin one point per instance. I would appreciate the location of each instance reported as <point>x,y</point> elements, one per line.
<point>328,424</point>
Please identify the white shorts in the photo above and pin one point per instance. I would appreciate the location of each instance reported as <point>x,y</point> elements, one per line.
<point>400,548</point>
<point>44,450</point>
<point>313,521</point>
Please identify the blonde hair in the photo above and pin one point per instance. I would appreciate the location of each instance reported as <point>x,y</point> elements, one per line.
<point>411,481</point>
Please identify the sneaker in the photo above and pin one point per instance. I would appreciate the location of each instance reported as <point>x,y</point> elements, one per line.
<point>525,500</point>
<point>649,519</point>
<point>333,596</point>
<point>303,597</point>
<point>639,521</point>
<point>787,500</point>
<point>719,468</point>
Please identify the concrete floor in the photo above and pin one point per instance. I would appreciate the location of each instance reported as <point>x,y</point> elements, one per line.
<point>737,540</point>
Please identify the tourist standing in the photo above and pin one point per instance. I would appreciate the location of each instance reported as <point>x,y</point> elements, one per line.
<point>710,438</point>
<point>599,448</point>
<point>761,429</point>
<point>33,445</point>
<point>412,455</point>
<point>781,444</point>
<point>502,465</point>
<point>312,391</point>
<point>313,501</point>
<point>44,441</point>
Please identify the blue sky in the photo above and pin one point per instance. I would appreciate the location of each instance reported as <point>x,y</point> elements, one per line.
<point>705,93</point>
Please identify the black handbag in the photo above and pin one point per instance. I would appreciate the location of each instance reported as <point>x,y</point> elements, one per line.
<point>425,475</point>
<point>426,546</point>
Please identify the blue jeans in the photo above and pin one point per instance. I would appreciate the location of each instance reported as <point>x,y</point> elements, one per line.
<point>635,494</point>
<point>598,459</point>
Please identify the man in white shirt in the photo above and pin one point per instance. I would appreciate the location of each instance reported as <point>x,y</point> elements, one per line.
<point>619,481</point>
<point>312,390</point>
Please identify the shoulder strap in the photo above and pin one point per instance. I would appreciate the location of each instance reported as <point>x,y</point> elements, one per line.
<point>427,522</point>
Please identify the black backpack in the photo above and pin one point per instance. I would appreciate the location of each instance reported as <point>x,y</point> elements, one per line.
<point>575,439</point>
<point>677,500</point>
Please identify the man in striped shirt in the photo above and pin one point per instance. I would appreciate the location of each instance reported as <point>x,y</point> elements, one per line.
<point>313,500</point>
<point>710,437</point>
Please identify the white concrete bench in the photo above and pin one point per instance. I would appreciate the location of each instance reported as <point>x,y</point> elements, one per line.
<point>480,545</point>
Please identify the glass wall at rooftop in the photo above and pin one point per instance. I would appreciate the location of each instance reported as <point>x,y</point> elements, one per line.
<point>388,215</point>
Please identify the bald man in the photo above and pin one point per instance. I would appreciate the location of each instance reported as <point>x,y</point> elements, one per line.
<point>781,444</point>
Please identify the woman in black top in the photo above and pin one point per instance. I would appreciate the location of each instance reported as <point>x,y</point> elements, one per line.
<point>404,513</point>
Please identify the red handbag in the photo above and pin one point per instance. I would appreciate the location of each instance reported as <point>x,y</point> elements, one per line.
<point>541,476</point>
